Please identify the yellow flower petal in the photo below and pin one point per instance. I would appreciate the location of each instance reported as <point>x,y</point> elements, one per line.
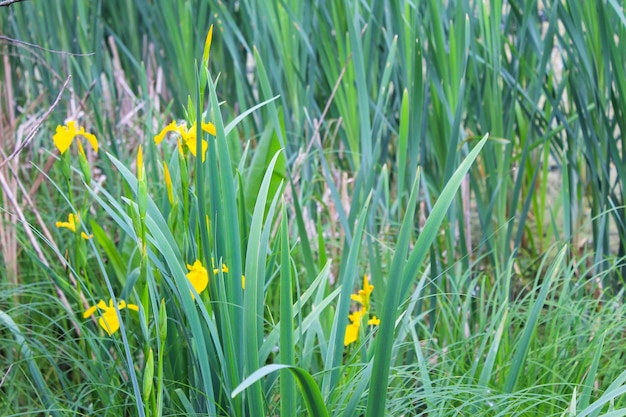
<point>109,321</point>
<point>198,277</point>
<point>352,332</point>
<point>188,136</point>
<point>90,138</point>
<point>168,184</point>
<point>89,312</point>
<point>224,269</point>
<point>172,127</point>
<point>183,131</point>
<point>367,288</point>
<point>363,297</point>
<point>71,223</point>
<point>81,150</point>
<point>139,164</point>
<point>374,321</point>
<point>65,135</point>
<point>356,317</point>
<point>190,139</point>
<point>207,46</point>
<point>122,305</point>
<point>209,128</point>
<point>357,298</point>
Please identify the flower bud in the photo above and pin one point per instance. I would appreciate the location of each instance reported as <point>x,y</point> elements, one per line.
<point>84,164</point>
<point>148,376</point>
<point>162,322</point>
<point>168,184</point>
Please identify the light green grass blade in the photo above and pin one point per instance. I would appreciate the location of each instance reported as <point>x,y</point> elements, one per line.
<point>320,305</point>
<point>112,253</point>
<point>402,274</point>
<point>490,360</point>
<point>255,281</point>
<point>35,373</point>
<point>310,391</point>
<point>365,150</point>
<point>287,354</point>
<point>431,227</point>
<point>403,139</point>
<point>332,359</point>
<point>607,398</point>
<point>383,348</point>
<point>521,351</point>
<point>585,395</point>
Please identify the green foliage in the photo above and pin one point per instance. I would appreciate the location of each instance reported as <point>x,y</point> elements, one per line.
<point>466,156</point>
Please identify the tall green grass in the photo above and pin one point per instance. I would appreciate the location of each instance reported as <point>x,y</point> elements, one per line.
<point>464,155</point>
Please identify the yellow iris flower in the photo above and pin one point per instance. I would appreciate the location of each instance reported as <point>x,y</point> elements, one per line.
<point>109,320</point>
<point>225,269</point>
<point>65,135</point>
<point>198,277</point>
<point>363,298</point>
<point>72,221</point>
<point>187,136</point>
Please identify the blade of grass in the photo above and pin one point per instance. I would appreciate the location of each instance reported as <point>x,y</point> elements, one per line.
<point>402,274</point>
<point>332,359</point>
<point>255,280</point>
<point>530,324</point>
<point>287,353</point>
<point>585,395</point>
<point>310,391</point>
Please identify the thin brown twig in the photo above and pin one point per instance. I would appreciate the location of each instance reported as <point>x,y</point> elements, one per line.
<point>318,124</point>
<point>82,103</point>
<point>38,125</point>
<point>36,58</point>
<point>33,45</point>
<point>21,218</point>
<point>31,237</point>
<point>6,374</point>
<point>48,235</point>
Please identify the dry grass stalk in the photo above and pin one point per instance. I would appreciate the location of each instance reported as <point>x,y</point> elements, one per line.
<point>8,238</point>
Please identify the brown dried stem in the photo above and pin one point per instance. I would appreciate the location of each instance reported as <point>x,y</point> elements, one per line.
<point>33,132</point>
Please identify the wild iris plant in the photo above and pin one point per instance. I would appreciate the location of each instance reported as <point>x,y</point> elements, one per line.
<point>163,268</point>
<point>200,338</point>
